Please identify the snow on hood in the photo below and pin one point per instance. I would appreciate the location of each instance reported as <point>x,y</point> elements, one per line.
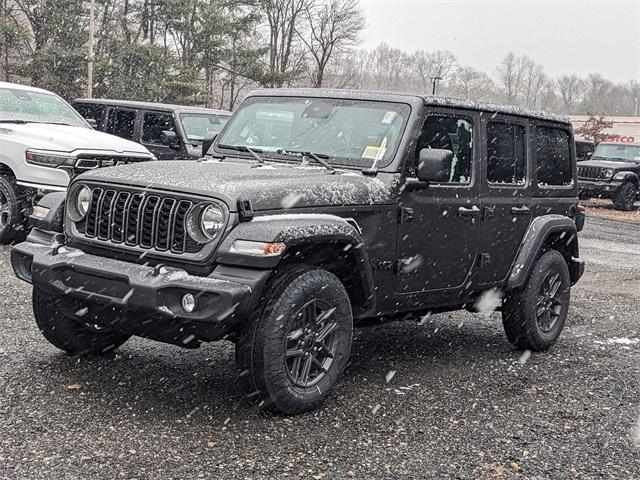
<point>272,186</point>
<point>66,138</point>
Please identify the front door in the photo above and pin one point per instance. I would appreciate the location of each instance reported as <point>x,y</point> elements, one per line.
<point>160,136</point>
<point>439,224</point>
<point>506,197</point>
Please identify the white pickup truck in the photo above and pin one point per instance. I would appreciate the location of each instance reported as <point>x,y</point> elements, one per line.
<point>44,143</point>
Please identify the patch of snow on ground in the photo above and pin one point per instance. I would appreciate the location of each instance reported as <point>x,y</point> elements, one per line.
<point>619,341</point>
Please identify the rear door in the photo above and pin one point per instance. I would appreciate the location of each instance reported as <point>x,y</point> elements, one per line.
<point>506,195</point>
<point>121,122</point>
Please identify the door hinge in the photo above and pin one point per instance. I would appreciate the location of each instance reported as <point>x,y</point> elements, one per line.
<point>405,215</point>
<point>485,259</point>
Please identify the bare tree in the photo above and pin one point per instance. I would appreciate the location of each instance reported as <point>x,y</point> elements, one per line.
<point>510,77</point>
<point>571,89</point>
<point>597,90</point>
<point>333,27</point>
<point>283,21</point>
<point>426,65</point>
<point>472,84</point>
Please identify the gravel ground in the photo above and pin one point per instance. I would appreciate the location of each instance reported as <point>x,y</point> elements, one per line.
<point>462,403</point>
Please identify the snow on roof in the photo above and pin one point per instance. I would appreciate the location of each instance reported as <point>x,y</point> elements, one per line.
<point>17,86</point>
<point>431,100</point>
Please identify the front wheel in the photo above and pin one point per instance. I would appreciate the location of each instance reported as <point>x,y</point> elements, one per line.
<point>624,199</point>
<point>68,334</point>
<point>291,357</point>
<point>12,218</point>
<point>534,316</point>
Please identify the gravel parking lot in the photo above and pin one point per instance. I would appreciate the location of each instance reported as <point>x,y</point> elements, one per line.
<point>462,403</point>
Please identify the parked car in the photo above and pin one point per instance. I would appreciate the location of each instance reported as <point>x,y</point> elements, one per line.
<point>43,144</point>
<point>316,211</point>
<point>612,172</point>
<point>584,150</point>
<point>169,131</point>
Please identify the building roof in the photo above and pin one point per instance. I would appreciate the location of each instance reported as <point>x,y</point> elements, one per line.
<point>152,106</point>
<point>430,100</point>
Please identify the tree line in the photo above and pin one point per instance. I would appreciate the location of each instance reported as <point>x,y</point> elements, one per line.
<point>211,52</point>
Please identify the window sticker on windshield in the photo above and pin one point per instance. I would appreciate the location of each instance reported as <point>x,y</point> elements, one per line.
<point>374,153</point>
<point>389,117</point>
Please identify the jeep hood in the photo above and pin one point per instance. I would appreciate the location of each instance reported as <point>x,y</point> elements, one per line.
<point>273,186</point>
<point>66,138</point>
<point>615,164</point>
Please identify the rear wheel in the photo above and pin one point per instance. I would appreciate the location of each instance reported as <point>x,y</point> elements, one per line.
<point>534,316</point>
<point>69,334</point>
<point>291,357</point>
<point>12,217</point>
<point>624,199</point>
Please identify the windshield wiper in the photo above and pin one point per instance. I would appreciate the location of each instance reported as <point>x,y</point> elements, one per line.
<point>243,148</point>
<point>318,157</point>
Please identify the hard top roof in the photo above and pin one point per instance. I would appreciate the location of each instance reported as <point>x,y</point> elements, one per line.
<point>412,99</point>
<point>151,106</point>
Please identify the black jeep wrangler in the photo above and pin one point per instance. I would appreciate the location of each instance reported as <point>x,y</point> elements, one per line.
<point>316,211</point>
<point>612,172</point>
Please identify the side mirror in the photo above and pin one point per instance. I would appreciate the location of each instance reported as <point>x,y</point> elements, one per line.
<point>207,141</point>
<point>434,165</point>
<point>170,139</point>
<point>92,123</point>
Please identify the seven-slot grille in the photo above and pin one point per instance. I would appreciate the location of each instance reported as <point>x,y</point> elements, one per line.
<point>145,220</point>
<point>593,173</point>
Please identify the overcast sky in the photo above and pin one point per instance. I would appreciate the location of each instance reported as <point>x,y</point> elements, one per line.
<point>565,36</point>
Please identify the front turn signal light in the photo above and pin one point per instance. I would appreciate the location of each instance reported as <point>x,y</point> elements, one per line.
<point>258,249</point>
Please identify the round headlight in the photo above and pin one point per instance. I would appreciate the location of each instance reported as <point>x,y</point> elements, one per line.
<point>212,221</point>
<point>205,222</point>
<point>83,201</point>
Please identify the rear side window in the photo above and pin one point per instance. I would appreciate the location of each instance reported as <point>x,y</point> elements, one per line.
<point>121,123</point>
<point>553,155</point>
<point>506,154</point>
<point>92,112</point>
<point>153,125</point>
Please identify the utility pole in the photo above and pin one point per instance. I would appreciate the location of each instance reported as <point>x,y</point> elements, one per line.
<point>636,110</point>
<point>434,82</point>
<point>92,14</point>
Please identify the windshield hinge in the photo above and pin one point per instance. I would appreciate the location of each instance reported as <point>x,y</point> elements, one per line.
<point>245,210</point>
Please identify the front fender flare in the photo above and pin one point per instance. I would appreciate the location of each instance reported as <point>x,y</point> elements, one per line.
<point>298,231</point>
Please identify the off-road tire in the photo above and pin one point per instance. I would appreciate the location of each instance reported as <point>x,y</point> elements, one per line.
<point>625,197</point>
<point>13,221</point>
<point>69,334</point>
<point>264,376</point>
<point>519,310</point>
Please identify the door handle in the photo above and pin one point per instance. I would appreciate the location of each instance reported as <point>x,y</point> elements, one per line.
<point>468,212</point>
<point>520,210</point>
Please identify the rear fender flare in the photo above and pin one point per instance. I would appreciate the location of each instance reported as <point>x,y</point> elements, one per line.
<point>540,231</point>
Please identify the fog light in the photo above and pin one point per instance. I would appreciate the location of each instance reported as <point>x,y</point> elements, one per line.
<point>188,303</point>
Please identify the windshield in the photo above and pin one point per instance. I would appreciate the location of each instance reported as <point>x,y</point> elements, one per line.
<point>627,153</point>
<point>38,107</point>
<point>197,125</point>
<point>349,132</point>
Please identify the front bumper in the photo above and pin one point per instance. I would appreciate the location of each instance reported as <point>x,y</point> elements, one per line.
<point>146,300</point>
<point>594,189</point>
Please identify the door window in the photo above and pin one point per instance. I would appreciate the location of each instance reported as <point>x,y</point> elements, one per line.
<point>121,123</point>
<point>153,125</point>
<point>456,135</point>
<point>553,155</point>
<point>506,154</point>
